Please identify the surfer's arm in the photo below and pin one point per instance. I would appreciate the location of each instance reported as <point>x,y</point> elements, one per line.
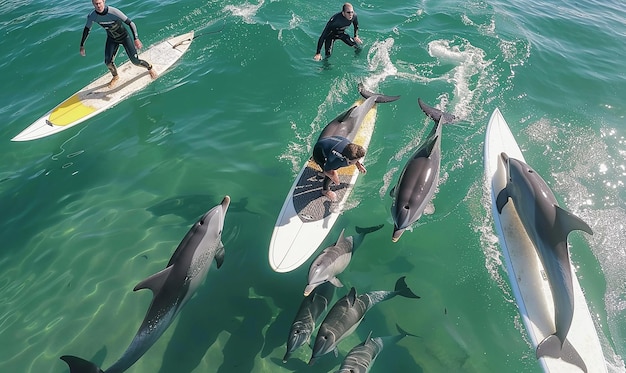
<point>82,40</point>
<point>355,23</point>
<point>324,35</point>
<point>360,166</point>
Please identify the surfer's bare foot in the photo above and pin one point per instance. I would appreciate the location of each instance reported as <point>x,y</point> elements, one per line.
<point>330,195</point>
<point>114,81</point>
<point>153,74</point>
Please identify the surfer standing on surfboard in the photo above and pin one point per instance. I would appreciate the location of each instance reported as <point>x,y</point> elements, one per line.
<point>112,20</point>
<point>335,29</point>
<point>332,153</point>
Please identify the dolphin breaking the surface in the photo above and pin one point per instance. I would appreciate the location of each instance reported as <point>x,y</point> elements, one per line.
<point>547,226</point>
<point>420,176</point>
<point>172,288</point>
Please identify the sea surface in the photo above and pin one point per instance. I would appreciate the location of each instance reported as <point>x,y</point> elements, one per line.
<point>88,213</point>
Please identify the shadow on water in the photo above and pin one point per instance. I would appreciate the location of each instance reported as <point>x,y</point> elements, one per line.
<point>191,206</point>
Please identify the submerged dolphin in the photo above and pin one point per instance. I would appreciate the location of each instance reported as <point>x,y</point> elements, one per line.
<point>345,315</point>
<point>347,124</point>
<point>362,356</point>
<point>310,310</point>
<point>334,259</point>
<point>420,176</point>
<point>172,288</point>
<point>547,226</point>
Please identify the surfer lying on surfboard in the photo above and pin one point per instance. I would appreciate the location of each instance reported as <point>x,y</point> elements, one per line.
<point>112,20</point>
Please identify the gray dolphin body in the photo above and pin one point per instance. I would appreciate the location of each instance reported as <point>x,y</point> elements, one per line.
<point>362,356</point>
<point>347,313</point>
<point>309,312</point>
<point>347,124</point>
<point>547,226</point>
<point>420,176</point>
<point>334,259</point>
<point>172,288</point>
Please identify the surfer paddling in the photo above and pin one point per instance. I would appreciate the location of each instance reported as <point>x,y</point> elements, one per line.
<point>335,29</point>
<point>332,153</point>
<point>112,20</point>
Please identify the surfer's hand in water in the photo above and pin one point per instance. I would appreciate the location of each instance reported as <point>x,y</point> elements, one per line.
<point>317,57</point>
<point>358,40</point>
<point>82,51</point>
<point>361,168</point>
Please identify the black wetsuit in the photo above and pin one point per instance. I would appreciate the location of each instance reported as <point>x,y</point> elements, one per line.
<point>112,20</point>
<point>327,154</point>
<point>335,29</point>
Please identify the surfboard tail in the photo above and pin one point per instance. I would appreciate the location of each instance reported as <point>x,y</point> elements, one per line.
<point>380,98</point>
<point>551,346</point>
<point>78,365</point>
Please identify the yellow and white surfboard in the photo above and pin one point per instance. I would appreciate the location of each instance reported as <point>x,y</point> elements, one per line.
<point>98,97</point>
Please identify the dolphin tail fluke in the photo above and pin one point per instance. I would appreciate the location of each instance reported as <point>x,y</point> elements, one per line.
<point>403,290</point>
<point>571,222</point>
<point>551,346</point>
<point>380,98</point>
<point>78,365</point>
<point>436,114</point>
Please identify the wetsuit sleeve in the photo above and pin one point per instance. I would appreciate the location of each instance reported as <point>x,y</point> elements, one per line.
<point>355,22</point>
<point>324,35</point>
<point>133,28</point>
<point>85,34</point>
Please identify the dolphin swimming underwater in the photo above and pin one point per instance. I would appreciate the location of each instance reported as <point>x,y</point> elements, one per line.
<point>346,314</point>
<point>420,176</point>
<point>334,259</point>
<point>362,356</point>
<point>172,288</point>
<point>547,226</point>
<point>310,310</point>
<point>347,124</point>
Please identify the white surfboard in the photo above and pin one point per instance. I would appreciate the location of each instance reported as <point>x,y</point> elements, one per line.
<point>98,97</point>
<point>526,275</point>
<point>307,216</point>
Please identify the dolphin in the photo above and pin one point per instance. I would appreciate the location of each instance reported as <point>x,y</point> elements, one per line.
<point>420,176</point>
<point>362,356</point>
<point>172,288</point>
<point>547,226</point>
<point>346,314</point>
<point>347,124</point>
<point>334,259</point>
<point>310,310</point>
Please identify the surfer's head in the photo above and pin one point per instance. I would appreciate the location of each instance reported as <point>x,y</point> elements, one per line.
<point>348,11</point>
<point>353,152</point>
<point>98,5</point>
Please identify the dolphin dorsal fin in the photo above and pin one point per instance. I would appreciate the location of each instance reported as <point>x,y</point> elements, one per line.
<point>369,336</point>
<point>351,297</point>
<point>154,282</point>
<point>341,236</point>
<point>571,222</point>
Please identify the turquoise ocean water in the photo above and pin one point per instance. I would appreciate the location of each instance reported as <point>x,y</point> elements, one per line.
<point>88,213</point>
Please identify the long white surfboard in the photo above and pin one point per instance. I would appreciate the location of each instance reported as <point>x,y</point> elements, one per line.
<point>307,216</point>
<point>98,97</point>
<point>526,275</point>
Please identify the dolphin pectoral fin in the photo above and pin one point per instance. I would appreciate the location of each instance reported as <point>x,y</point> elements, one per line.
<point>335,281</point>
<point>219,255</point>
<point>392,191</point>
<point>571,222</point>
<point>78,365</point>
<point>336,351</point>
<point>502,199</point>
<point>380,99</point>
<point>154,282</point>
<point>551,347</point>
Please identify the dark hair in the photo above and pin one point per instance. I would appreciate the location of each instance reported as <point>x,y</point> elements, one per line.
<point>353,151</point>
